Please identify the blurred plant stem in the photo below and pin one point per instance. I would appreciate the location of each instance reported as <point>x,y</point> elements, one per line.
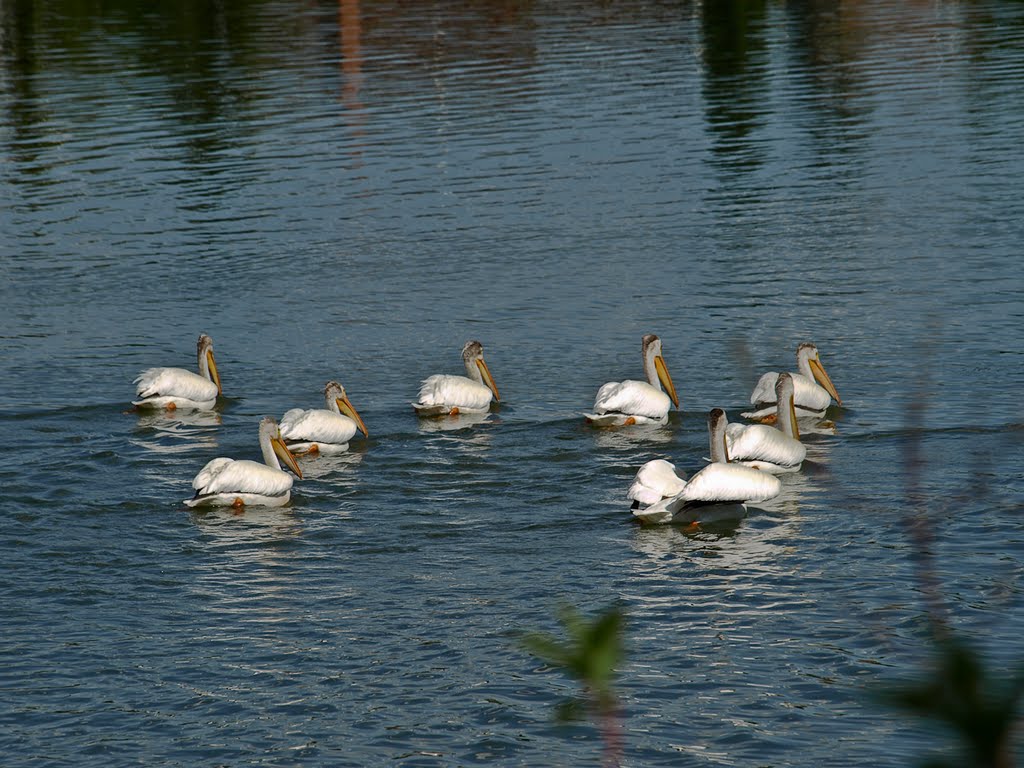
<point>979,707</point>
<point>590,654</point>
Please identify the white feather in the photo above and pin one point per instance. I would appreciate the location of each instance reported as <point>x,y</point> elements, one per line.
<point>656,480</point>
<point>637,399</point>
<point>179,388</point>
<point>808,395</point>
<point>242,476</point>
<point>764,447</point>
<point>158,387</point>
<point>318,426</point>
<point>447,392</point>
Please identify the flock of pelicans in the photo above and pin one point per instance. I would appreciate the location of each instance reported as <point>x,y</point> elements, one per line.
<point>745,458</point>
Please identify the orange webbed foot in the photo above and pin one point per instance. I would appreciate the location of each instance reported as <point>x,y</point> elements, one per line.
<point>454,411</point>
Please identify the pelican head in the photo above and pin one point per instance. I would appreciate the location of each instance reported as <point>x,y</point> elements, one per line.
<point>274,448</point>
<point>338,401</point>
<point>207,365</point>
<point>810,365</point>
<point>476,367</point>
<point>786,409</point>
<point>717,423</point>
<point>655,368</point>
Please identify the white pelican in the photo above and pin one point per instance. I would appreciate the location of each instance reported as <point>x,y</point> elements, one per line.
<point>442,394</point>
<point>227,482</point>
<point>323,431</point>
<point>177,388</point>
<point>620,403</point>
<point>772,449</point>
<point>813,388</point>
<point>661,495</point>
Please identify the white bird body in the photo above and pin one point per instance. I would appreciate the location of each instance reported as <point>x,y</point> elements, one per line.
<point>323,430</point>
<point>725,486</point>
<point>230,482</point>
<point>813,389</point>
<point>620,403</point>
<point>443,394</point>
<point>179,388</point>
<point>764,447</point>
<point>767,448</point>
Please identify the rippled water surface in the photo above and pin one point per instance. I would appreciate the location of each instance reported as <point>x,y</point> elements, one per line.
<point>351,192</point>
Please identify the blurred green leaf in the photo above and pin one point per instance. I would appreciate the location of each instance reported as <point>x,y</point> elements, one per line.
<point>591,652</point>
<point>570,710</point>
<point>979,709</point>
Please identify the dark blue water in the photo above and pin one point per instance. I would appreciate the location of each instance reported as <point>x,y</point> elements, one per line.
<point>351,192</point>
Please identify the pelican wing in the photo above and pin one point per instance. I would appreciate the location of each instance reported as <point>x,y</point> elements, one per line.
<point>807,393</point>
<point>317,425</point>
<point>655,481</point>
<point>230,476</point>
<point>454,392</point>
<point>759,442</point>
<point>636,398</point>
<point>174,382</point>
<point>720,482</point>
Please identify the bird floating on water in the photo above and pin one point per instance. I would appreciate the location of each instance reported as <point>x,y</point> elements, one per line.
<point>177,388</point>
<point>813,388</point>
<point>323,430</point>
<point>230,482</point>
<point>776,449</point>
<point>721,489</point>
<point>620,403</point>
<point>443,394</point>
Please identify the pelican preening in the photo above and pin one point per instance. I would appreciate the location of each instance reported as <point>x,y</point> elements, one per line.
<point>661,495</point>
<point>227,482</point>
<point>813,388</point>
<point>442,394</point>
<point>775,449</point>
<point>178,388</point>
<point>620,403</point>
<point>320,430</point>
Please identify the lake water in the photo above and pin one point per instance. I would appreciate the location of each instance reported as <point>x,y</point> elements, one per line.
<point>351,192</point>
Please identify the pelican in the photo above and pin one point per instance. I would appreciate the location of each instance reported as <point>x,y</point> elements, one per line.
<point>227,482</point>
<point>662,495</point>
<point>772,449</point>
<point>177,388</point>
<point>813,388</point>
<point>619,403</point>
<point>442,394</point>
<point>320,430</point>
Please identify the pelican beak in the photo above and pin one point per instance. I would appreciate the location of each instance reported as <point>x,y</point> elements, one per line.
<point>214,376</point>
<point>823,378</point>
<point>792,417</point>
<point>488,379</point>
<point>285,455</point>
<point>666,379</point>
<point>346,407</point>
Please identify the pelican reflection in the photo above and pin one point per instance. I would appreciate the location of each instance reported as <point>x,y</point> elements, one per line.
<point>177,431</point>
